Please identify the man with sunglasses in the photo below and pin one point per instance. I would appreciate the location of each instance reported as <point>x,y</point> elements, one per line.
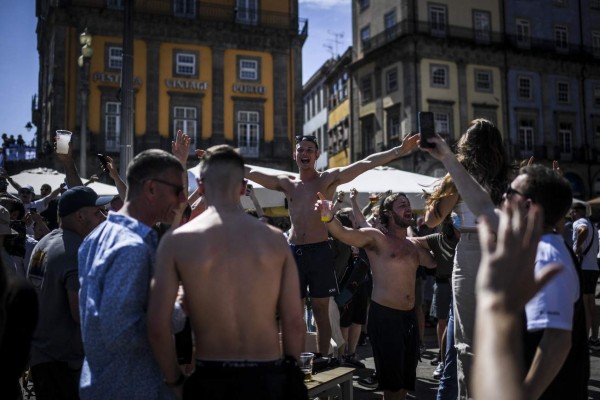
<point>308,236</point>
<point>555,341</point>
<point>116,263</point>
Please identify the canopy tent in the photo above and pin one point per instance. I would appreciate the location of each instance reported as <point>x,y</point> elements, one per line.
<point>377,180</point>
<point>382,179</point>
<point>267,198</point>
<point>37,177</point>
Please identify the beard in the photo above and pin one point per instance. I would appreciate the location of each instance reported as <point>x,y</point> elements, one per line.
<point>401,222</point>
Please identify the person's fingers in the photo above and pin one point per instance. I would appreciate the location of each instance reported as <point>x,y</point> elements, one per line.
<point>320,196</point>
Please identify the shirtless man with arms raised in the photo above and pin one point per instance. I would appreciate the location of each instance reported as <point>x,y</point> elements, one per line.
<point>392,323</point>
<point>238,275</point>
<point>308,236</point>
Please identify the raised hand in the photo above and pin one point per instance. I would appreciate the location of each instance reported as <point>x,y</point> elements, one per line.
<point>180,147</point>
<point>324,206</point>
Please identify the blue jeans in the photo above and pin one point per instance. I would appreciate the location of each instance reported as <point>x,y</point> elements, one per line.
<point>448,389</point>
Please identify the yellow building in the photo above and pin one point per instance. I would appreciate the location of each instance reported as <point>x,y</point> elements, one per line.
<point>224,71</point>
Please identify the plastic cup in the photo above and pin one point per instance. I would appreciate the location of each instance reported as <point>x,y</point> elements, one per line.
<point>325,209</point>
<point>62,141</point>
<point>306,365</point>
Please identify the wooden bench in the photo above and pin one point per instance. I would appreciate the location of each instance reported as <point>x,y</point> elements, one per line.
<point>328,379</point>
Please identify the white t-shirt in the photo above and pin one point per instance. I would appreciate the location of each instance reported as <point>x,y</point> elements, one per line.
<point>552,306</point>
<point>589,260</point>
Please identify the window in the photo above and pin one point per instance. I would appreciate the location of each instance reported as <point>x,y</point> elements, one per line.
<point>185,119</point>
<point>248,70</point>
<point>184,8</point>
<point>523,32</point>
<point>437,20</point>
<point>439,76</point>
<point>247,12</point>
<point>389,22</point>
<point>393,125</point>
<point>185,64</point>
<point>561,38</point>
<point>248,131</point>
<point>524,87</point>
<point>441,122</point>
<point>366,89</point>
<point>483,80</point>
<point>391,80</point>
<point>563,92</point>
<point>365,34</point>
<point>112,125</point>
<point>565,137</point>
<point>115,57</point>
<point>526,135</point>
<point>596,43</point>
<point>596,91</point>
<point>114,4</point>
<point>481,26</point>
<point>363,4</point>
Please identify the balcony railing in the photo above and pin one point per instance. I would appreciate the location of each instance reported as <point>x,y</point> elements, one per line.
<point>210,12</point>
<point>405,28</point>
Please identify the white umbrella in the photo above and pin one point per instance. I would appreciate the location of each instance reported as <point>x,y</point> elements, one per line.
<point>382,179</point>
<point>39,176</point>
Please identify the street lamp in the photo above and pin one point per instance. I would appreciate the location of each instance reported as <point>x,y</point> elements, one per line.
<point>29,126</point>
<point>87,51</point>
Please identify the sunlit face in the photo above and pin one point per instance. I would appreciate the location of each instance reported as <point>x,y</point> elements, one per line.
<point>402,212</point>
<point>515,190</point>
<point>91,217</point>
<point>169,194</point>
<point>26,195</point>
<point>306,154</point>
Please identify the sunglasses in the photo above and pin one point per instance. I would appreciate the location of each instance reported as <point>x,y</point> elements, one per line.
<point>178,188</point>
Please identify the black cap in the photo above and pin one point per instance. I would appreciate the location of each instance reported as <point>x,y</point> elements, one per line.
<point>79,197</point>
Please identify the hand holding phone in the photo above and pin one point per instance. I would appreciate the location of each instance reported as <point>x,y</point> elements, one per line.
<point>426,129</point>
<point>103,161</point>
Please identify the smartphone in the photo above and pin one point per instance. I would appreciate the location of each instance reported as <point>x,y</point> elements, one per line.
<point>103,161</point>
<point>426,128</point>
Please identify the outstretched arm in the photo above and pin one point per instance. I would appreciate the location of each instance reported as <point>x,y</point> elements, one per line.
<point>273,182</point>
<point>474,195</point>
<point>250,193</point>
<point>114,174</point>
<point>346,174</point>
<point>6,176</point>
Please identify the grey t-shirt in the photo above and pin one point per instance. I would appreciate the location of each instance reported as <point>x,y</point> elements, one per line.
<point>443,249</point>
<point>53,272</point>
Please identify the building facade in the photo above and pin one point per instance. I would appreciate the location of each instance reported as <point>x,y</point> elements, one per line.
<point>315,96</point>
<point>224,71</point>
<point>534,74</point>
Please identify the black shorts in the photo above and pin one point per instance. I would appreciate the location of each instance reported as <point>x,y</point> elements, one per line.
<point>315,269</point>
<point>589,279</point>
<point>394,337</point>
<point>442,295</point>
<point>224,380</point>
<point>355,312</point>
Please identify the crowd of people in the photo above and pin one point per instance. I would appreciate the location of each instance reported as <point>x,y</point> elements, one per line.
<point>159,294</point>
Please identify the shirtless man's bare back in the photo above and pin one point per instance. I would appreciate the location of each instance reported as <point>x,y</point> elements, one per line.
<point>238,275</point>
<point>394,261</point>
<point>308,236</point>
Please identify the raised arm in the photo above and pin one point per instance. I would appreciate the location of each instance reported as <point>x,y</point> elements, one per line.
<point>353,237</point>
<point>473,194</point>
<point>505,283</point>
<point>250,193</point>
<point>346,174</point>
<point>273,182</point>
<point>359,217</point>
<point>14,184</point>
<point>114,174</point>
<point>71,174</point>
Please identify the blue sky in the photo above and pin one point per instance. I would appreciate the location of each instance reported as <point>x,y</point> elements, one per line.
<point>19,63</point>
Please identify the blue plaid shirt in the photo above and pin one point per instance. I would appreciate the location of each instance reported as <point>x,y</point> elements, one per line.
<point>116,263</point>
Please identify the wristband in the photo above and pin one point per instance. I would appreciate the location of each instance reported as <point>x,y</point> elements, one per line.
<point>328,222</point>
<point>177,383</point>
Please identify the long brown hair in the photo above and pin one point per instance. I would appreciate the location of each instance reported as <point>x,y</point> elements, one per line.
<point>481,151</point>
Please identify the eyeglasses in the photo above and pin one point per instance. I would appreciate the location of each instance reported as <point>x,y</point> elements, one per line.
<point>178,188</point>
<point>510,191</point>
